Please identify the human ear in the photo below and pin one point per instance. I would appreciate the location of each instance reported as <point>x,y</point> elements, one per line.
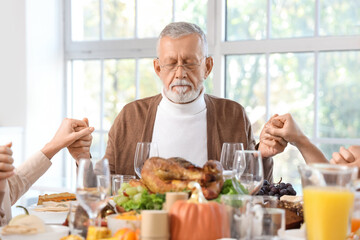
<point>157,66</point>
<point>209,63</point>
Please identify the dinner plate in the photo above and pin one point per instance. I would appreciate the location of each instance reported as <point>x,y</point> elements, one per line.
<point>51,232</point>
<point>292,234</point>
<point>48,217</point>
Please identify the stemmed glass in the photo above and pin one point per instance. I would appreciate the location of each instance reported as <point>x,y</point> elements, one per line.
<point>228,155</point>
<point>144,151</point>
<point>248,171</point>
<point>93,186</point>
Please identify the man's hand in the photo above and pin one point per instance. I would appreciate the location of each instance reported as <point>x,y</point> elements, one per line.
<point>67,134</point>
<point>285,127</point>
<point>6,161</point>
<point>81,147</point>
<point>350,156</point>
<point>271,144</point>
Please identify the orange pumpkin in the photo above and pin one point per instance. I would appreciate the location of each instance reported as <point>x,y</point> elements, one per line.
<point>198,219</point>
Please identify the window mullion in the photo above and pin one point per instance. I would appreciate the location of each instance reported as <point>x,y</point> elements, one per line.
<point>316,96</point>
<point>268,22</point>
<point>102,106</point>
<point>101,9</point>
<point>136,19</point>
<point>317,18</point>
<point>137,80</point>
<point>268,82</point>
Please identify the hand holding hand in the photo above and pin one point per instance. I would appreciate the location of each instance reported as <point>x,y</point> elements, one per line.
<point>271,144</point>
<point>284,126</point>
<point>6,161</point>
<point>67,134</point>
<point>81,147</point>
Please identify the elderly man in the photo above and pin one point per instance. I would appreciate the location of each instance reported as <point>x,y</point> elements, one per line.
<point>183,120</point>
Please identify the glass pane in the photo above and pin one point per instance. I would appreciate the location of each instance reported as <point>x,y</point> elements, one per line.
<point>329,149</point>
<point>119,87</point>
<point>285,167</point>
<point>292,18</point>
<point>339,98</point>
<point>338,17</point>
<point>208,83</point>
<point>86,91</point>
<point>150,83</point>
<point>85,20</point>
<point>95,146</point>
<point>150,23</point>
<point>194,11</point>
<point>245,20</point>
<point>292,87</point>
<point>119,19</point>
<point>246,84</point>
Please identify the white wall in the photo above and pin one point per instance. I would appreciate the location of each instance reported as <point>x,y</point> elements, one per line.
<point>12,64</point>
<point>44,48</point>
<point>31,78</point>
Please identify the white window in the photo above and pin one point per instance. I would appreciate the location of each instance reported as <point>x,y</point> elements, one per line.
<point>273,56</point>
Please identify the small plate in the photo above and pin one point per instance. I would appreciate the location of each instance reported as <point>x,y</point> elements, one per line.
<point>51,232</point>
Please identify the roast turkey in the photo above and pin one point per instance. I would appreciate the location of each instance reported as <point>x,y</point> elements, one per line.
<point>173,174</point>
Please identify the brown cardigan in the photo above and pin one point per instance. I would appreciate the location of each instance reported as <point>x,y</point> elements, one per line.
<point>226,122</point>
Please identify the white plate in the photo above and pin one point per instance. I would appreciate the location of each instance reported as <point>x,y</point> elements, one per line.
<point>49,217</point>
<point>293,234</point>
<point>51,232</point>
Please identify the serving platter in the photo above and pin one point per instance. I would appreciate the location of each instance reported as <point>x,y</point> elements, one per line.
<point>51,232</point>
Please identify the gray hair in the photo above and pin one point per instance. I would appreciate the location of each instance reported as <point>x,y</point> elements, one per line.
<point>180,29</point>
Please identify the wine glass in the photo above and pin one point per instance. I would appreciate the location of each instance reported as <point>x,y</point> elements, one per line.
<point>93,186</point>
<point>227,157</point>
<point>144,151</point>
<point>248,171</point>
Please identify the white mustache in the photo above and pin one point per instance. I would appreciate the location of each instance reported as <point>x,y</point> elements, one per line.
<point>181,82</point>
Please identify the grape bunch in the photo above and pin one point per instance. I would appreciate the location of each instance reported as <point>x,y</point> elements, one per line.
<point>276,189</point>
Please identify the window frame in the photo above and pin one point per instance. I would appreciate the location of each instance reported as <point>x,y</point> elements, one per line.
<point>219,49</point>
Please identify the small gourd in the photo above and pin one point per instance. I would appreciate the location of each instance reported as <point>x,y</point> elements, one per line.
<point>198,219</point>
<point>28,220</point>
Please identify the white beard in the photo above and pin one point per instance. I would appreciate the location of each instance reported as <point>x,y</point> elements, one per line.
<point>180,95</point>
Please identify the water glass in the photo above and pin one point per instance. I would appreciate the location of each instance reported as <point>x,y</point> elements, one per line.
<point>267,222</point>
<point>144,151</point>
<point>227,156</point>
<point>239,209</point>
<point>117,180</point>
<point>77,219</point>
<point>328,192</point>
<point>93,186</point>
<point>248,170</point>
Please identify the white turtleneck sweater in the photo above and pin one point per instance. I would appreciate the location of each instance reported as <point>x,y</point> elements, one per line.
<point>180,130</point>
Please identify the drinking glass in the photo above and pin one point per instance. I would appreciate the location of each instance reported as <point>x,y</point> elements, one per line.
<point>239,211</point>
<point>267,222</point>
<point>93,186</point>
<point>144,151</point>
<point>227,157</point>
<point>248,171</point>
<point>117,180</point>
<point>328,194</point>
